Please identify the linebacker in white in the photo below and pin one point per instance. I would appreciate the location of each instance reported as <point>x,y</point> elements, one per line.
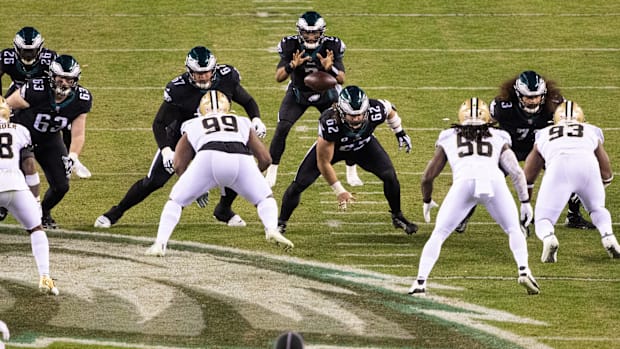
<point>475,152</point>
<point>221,145</point>
<point>16,196</point>
<point>575,160</point>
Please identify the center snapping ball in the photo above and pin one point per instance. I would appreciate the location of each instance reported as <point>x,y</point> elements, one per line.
<point>320,81</point>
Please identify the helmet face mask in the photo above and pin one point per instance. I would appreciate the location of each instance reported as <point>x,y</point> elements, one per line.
<point>213,101</point>
<point>531,90</point>
<point>353,107</point>
<point>568,111</point>
<point>474,111</point>
<point>311,29</point>
<point>64,75</point>
<point>201,64</point>
<point>28,44</point>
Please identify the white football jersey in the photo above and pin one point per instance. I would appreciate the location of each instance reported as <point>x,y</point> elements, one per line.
<point>474,160</point>
<point>13,138</point>
<point>568,138</point>
<point>217,127</point>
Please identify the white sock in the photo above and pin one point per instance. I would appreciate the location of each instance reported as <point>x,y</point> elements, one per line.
<point>352,171</point>
<point>41,251</point>
<point>169,219</point>
<point>268,213</point>
<point>518,246</point>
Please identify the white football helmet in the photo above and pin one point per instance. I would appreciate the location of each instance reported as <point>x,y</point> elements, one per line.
<point>213,101</point>
<point>474,111</point>
<point>568,111</point>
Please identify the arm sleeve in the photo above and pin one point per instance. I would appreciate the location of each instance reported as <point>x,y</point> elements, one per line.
<point>510,164</point>
<point>165,116</point>
<point>248,103</point>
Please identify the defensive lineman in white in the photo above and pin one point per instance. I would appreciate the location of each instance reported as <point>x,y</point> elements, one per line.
<point>221,145</point>
<point>475,150</point>
<point>16,196</point>
<point>575,161</point>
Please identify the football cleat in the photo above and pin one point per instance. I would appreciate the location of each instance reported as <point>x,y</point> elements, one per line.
<point>399,221</point>
<point>46,286</point>
<point>103,222</point>
<point>3,213</point>
<point>527,280</point>
<point>550,249</point>
<point>611,245</point>
<point>48,222</point>
<point>418,287</point>
<point>462,226</point>
<point>157,250</point>
<point>80,170</point>
<point>227,216</point>
<point>576,221</point>
<point>274,235</point>
<point>282,228</point>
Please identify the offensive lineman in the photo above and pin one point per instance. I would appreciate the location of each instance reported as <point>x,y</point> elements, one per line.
<point>575,161</point>
<point>181,99</point>
<point>346,133</point>
<point>47,106</point>
<point>215,137</point>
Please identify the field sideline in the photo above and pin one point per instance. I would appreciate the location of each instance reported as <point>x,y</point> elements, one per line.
<point>345,283</point>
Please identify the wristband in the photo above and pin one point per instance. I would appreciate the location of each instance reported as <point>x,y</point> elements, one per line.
<point>338,188</point>
<point>608,180</point>
<point>288,69</point>
<point>525,201</point>
<point>530,186</point>
<point>73,156</point>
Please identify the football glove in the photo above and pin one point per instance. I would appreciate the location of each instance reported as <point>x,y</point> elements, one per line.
<point>167,156</point>
<point>203,200</point>
<point>426,210</point>
<point>68,162</point>
<point>527,214</point>
<point>403,141</point>
<point>344,199</point>
<point>259,127</point>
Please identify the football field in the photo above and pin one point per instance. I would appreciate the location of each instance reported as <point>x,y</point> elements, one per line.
<point>345,283</point>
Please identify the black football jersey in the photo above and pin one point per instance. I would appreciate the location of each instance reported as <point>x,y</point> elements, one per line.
<point>333,130</point>
<point>13,67</point>
<point>520,125</point>
<point>184,98</point>
<point>290,44</point>
<point>44,116</point>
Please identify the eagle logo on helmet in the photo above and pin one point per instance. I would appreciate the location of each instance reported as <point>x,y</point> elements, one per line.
<point>64,66</point>
<point>200,60</point>
<point>352,102</point>
<point>530,84</point>
<point>213,101</point>
<point>308,26</point>
<point>568,111</point>
<point>28,44</point>
<point>474,111</point>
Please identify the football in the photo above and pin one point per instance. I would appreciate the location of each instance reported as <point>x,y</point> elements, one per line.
<point>320,81</point>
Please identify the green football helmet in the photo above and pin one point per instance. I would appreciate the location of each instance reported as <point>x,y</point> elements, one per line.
<point>311,27</point>
<point>353,102</point>
<point>200,60</point>
<point>28,44</point>
<point>530,84</point>
<point>64,66</point>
